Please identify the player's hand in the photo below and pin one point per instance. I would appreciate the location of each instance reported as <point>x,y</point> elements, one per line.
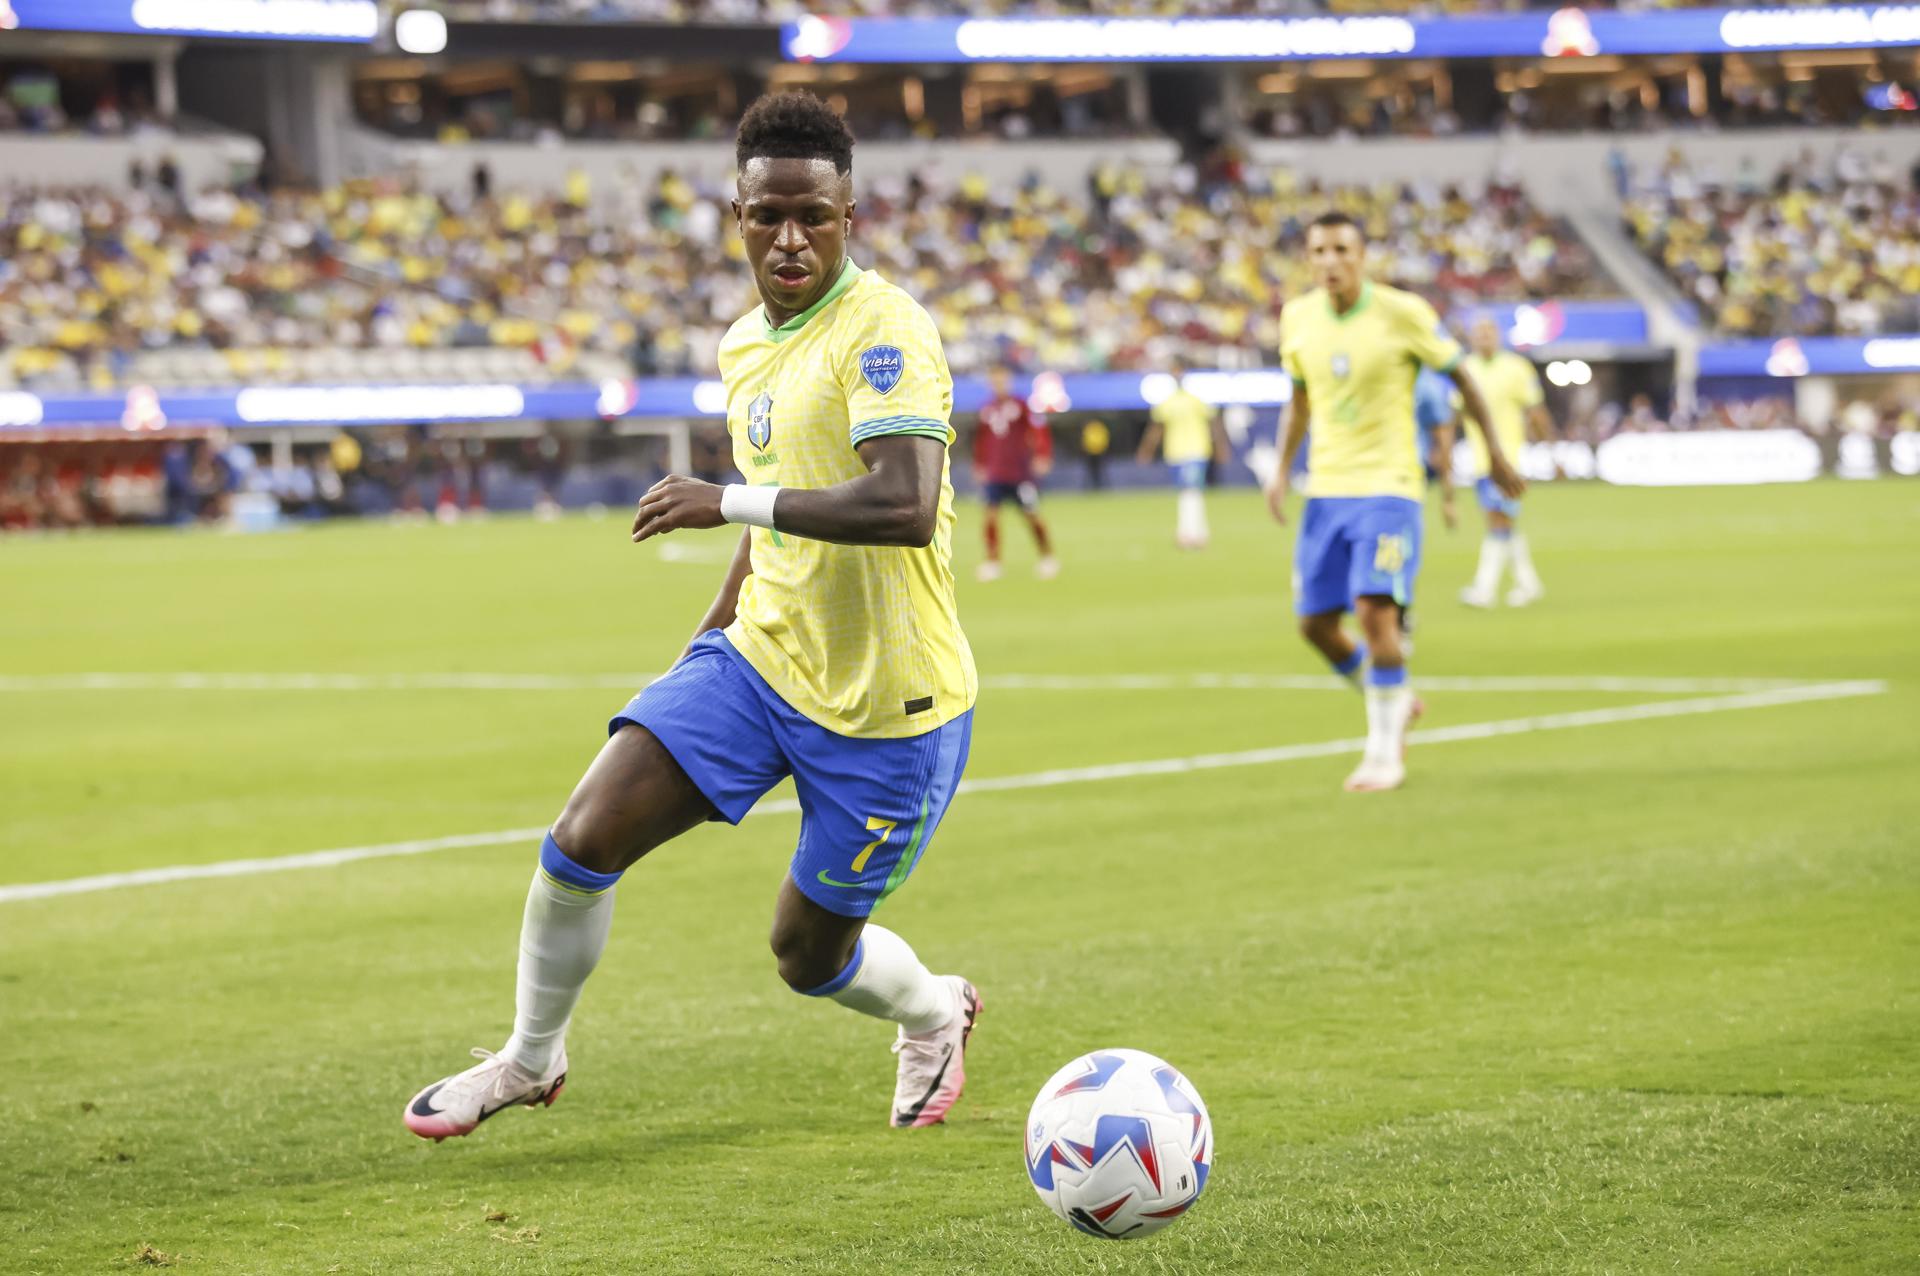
<point>1042,468</point>
<point>675,502</point>
<point>1448,514</point>
<point>1277,502</point>
<point>1505,477</point>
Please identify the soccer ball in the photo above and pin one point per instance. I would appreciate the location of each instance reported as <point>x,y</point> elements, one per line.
<point>1119,1144</point>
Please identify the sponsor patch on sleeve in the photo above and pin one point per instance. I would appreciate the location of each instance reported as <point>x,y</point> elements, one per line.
<point>882,367</point>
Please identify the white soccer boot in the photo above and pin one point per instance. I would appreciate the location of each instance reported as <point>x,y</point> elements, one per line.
<point>1482,599</point>
<point>1376,775</point>
<point>1047,568</point>
<point>456,1105</point>
<point>987,571</point>
<point>1525,595</point>
<point>933,1065</point>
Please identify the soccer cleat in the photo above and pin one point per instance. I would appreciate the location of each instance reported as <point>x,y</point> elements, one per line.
<point>1522,595</point>
<point>1416,710</point>
<point>1047,568</point>
<point>1377,775</point>
<point>1475,598</point>
<point>456,1105</point>
<point>988,571</point>
<point>933,1065</point>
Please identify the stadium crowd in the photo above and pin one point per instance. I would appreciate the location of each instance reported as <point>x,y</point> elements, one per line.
<point>1130,273</point>
<point>1829,244</point>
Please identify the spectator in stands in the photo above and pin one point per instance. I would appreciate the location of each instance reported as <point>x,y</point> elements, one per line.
<point>1831,246</point>
<point>1141,270</point>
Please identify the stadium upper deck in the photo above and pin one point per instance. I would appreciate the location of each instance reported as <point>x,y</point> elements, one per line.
<point>773,11</point>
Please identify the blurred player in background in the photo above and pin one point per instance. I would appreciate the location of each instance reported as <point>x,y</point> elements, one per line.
<point>1190,430</point>
<point>1433,412</point>
<point>1012,452</point>
<point>832,654</point>
<point>1352,348</point>
<point>1511,385</point>
<point>1433,397</point>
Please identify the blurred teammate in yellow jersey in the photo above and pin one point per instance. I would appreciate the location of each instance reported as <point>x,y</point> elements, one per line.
<point>1353,349</point>
<point>1189,428</point>
<point>1511,386</point>
<point>832,653</point>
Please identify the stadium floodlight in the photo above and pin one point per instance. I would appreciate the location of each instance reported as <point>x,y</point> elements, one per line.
<point>421,32</point>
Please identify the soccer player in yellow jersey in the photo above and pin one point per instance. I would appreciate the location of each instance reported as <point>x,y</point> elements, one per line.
<point>1353,349</point>
<point>832,654</point>
<point>1511,387</point>
<point>1189,428</point>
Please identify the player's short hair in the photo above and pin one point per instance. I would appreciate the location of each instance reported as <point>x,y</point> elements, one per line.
<point>1338,218</point>
<point>794,125</point>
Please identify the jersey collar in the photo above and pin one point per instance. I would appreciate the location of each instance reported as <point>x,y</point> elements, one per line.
<point>848,274</point>
<point>1359,304</point>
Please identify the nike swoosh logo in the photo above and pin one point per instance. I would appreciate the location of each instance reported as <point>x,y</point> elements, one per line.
<point>828,881</point>
<point>906,1118</point>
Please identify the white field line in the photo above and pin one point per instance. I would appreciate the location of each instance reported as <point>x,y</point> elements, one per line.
<point>997,784</point>
<point>1001,682</point>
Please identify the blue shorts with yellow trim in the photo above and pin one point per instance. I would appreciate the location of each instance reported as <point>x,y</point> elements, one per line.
<point>1351,546</point>
<point>868,808</point>
<point>1188,474</point>
<point>1495,501</point>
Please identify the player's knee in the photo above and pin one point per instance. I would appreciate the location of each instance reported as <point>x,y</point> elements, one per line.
<point>806,961</point>
<point>586,837</point>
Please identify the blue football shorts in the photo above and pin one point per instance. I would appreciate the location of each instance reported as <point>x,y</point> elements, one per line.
<point>1188,474</point>
<point>1495,501</point>
<point>1026,495</point>
<point>1350,546</point>
<point>868,808</point>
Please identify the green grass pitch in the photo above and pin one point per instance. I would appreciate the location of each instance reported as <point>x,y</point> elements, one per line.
<point>1620,996</point>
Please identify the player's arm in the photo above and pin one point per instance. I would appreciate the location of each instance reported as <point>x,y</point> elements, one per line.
<point>1293,432</point>
<point>1150,441</point>
<point>1222,445</point>
<point>1040,435</point>
<point>896,502</point>
<point>1499,468</point>
<point>1445,435</point>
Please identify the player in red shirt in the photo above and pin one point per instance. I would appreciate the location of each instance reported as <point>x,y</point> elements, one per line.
<point>1012,452</point>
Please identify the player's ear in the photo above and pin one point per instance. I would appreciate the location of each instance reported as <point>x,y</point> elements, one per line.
<point>739,219</point>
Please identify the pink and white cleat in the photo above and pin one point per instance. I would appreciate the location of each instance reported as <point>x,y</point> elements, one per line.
<point>456,1105</point>
<point>1377,775</point>
<point>933,1065</point>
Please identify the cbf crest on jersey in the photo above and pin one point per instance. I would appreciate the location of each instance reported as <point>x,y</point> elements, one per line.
<point>1341,366</point>
<point>760,421</point>
<point>882,366</point>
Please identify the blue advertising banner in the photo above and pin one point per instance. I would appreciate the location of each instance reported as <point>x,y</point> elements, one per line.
<point>1568,32</point>
<point>342,21</point>
<point>1555,323</point>
<point>1811,356</point>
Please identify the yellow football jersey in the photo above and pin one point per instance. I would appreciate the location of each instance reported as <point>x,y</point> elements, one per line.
<point>1186,420</point>
<point>1511,386</point>
<point>1358,369</point>
<point>864,640</point>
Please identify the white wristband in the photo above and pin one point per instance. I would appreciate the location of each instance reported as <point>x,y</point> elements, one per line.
<point>742,504</point>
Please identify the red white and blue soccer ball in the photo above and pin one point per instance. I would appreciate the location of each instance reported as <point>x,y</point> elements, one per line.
<point>1119,1144</point>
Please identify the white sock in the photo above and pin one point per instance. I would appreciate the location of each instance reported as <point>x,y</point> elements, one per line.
<point>1388,709</point>
<point>892,984</point>
<point>1493,564</point>
<point>1523,573</point>
<point>561,938</point>
<point>1193,515</point>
